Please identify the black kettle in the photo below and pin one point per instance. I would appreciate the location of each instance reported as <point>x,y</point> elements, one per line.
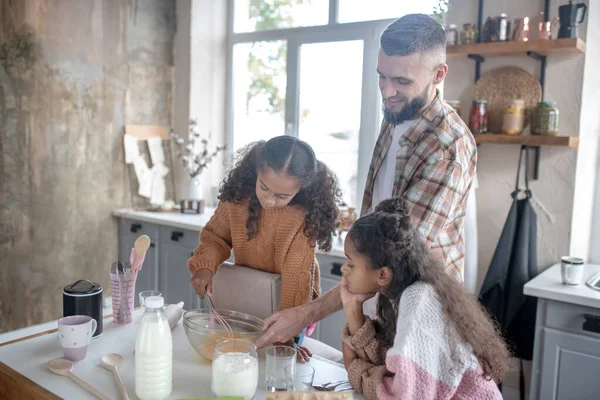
<point>570,20</point>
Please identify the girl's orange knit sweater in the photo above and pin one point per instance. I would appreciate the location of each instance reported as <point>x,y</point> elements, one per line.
<point>280,246</point>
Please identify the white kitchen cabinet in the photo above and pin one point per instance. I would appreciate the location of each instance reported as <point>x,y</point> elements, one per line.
<point>566,356</point>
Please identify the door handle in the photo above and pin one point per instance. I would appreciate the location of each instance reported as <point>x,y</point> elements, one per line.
<point>135,228</point>
<point>176,235</point>
<point>152,244</point>
<point>591,323</point>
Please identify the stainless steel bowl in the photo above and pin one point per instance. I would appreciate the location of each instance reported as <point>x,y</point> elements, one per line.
<point>204,339</point>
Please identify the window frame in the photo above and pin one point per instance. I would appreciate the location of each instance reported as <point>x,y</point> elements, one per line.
<point>367,31</point>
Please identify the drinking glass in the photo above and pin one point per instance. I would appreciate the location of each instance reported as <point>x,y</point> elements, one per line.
<point>278,358</point>
<point>302,379</point>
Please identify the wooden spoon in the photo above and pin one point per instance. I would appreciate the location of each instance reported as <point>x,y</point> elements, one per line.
<point>113,362</point>
<point>141,245</point>
<point>64,367</point>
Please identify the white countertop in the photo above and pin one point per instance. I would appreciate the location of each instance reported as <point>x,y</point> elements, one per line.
<point>548,285</point>
<point>195,222</point>
<point>191,373</point>
<point>192,222</point>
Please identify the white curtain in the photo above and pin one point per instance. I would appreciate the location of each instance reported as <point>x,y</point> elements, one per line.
<point>470,238</point>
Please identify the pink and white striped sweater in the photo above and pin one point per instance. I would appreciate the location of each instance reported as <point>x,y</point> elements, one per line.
<point>427,361</point>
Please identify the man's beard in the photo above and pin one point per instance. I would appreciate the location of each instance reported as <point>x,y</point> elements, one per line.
<point>410,110</point>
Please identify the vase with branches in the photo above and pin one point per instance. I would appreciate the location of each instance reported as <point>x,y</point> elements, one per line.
<point>195,155</point>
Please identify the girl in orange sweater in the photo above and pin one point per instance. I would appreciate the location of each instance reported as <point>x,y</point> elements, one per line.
<point>276,206</point>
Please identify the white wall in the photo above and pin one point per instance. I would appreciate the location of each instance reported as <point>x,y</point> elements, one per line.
<point>553,192</point>
<point>586,211</point>
<point>200,65</point>
<point>208,80</point>
<point>561,230</point>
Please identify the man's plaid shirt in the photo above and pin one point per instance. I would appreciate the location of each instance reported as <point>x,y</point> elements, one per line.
<point>435,166</point>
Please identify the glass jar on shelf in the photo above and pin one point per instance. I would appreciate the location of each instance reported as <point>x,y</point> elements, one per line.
<point>545,119</point>
<point>469,33</point>
<point>514,118</point>
<point>452,35</point>
<point>455,104</point>
<point>478,119</point>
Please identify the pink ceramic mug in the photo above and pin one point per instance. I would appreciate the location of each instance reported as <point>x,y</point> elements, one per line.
<point>75,333</point>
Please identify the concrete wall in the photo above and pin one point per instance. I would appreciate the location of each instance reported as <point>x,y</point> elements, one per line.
<point>72,74</point>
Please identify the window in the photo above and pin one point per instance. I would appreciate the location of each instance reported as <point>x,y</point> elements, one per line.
<point>331,123</point>
<point>295,70</point>
<point>262,15</point>
<point>259,88</point>
<point>361,10</point>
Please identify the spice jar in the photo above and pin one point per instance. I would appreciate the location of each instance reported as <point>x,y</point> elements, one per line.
<point>514,118</point>
<point>455,104</point>
<point>545,119</point>
<point>452,35</point>
<point>478,119</point>
<point>469,33</point>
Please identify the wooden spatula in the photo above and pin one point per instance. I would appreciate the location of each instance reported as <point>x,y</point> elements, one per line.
<point>63,367</point>
<point>141,246</point>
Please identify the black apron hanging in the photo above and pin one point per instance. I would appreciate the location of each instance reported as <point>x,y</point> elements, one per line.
<point>515,263</point>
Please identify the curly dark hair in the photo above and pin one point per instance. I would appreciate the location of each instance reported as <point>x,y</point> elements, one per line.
<point>319,193</point>
<point>387,238</point>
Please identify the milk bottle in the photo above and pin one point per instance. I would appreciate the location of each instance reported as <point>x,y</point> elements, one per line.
<point>153,353</point>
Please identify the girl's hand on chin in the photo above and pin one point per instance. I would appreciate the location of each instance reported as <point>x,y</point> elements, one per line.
<point>349,298</point>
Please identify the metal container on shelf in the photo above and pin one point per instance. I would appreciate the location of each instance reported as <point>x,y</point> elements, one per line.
<point>545,119</point>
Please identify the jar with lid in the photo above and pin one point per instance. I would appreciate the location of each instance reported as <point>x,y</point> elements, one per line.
<point>455,104</point>
<point>469,33</point>
<point>545,119</point>
<point>452,35</point>
<point>514,118</point>
<point>478,119</point>
<point>235,369</point>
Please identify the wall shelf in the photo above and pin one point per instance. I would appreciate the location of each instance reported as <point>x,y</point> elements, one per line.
<point>504,49</point>
<point>527,140</point>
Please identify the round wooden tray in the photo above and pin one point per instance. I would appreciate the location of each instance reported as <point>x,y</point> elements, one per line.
<point>503,85</point>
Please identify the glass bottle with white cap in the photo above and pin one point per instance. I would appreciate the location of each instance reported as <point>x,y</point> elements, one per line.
<point>154,353</point>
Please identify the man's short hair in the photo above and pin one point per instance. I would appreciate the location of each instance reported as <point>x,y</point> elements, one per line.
<point>415,33</point>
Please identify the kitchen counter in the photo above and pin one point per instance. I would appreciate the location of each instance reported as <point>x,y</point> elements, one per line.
<point>195,222</point>
<point>566,356</point>
<point>548,285</point>
<point>27,358</point>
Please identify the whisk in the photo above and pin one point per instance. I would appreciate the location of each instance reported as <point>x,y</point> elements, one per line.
<point>213,314</point>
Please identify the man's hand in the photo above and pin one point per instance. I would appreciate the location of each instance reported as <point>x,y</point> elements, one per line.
<point>202,282</point>
<point>283,326</point>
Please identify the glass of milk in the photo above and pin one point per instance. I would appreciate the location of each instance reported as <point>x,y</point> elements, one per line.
<point>235,369</point>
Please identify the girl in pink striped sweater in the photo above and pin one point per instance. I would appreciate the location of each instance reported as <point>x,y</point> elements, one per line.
<point>430,339</point>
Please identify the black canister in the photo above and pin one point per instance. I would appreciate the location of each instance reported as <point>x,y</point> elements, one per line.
<point>84,298</point>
